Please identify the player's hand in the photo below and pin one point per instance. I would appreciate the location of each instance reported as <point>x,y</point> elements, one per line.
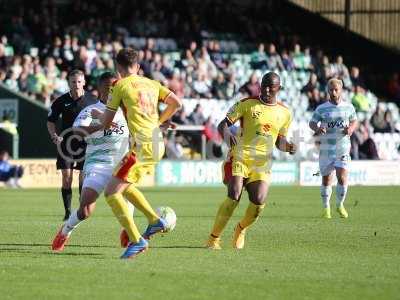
<point>56,139</point>
<point>95,113</point>
<point>114,125</point>
<point>347,131</point>
<point>291,148</point>
<point>167,125</point>
<point>321,131</point>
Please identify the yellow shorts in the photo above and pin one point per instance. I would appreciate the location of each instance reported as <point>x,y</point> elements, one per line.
<point>248,170</point>
<point>139,162</point>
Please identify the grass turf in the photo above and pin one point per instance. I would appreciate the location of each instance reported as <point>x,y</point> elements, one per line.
<point>290,253</point>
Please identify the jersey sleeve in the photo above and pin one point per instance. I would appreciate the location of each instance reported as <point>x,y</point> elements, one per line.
<point>83,119</point>
<point>285,128</point>
<point>116,97</point>
<point>55,111</point>
<point>163,92</point>
<point>235,112</point>
<point>316,117</point>
<point>353,114</point>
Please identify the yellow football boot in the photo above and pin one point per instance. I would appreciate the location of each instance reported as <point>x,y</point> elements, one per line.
<point>238,237</point>
<point>214,243</point>
<point>326,214</point>
<point>342,212</point>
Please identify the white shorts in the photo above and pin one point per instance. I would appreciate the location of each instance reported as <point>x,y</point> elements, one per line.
<point>327,165</point>
<point>97,179</point>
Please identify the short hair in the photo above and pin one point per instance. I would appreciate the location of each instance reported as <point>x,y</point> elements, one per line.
<point>127,57</point>
<point>335,81</point>
<point>75,72</point>
<point>270,78</point>
<point>105,76</point>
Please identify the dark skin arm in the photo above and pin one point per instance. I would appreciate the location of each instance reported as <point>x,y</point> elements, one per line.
<point>284,145</point>
<point>223,129</point>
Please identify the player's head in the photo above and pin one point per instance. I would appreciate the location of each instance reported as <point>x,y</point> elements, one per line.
<point>4,155</point>
<point>335,87</point>
<point>104,84</point>
<point>270,86</point>
<point>76,80</point>
<point>127,62</point>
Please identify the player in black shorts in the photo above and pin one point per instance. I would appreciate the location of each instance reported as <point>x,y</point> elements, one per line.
<point>70,148</point>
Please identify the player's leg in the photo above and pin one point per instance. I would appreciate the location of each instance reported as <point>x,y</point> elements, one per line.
<point>81,179</point>
<point>257,191</point>
<point>136,197</point>
<point>66,191</point>
<point>225,211</point>
<point>326,169</point>
<point>341,191</point>
<point>86,207</point>
<point>114,197</point>
<point>138,200</point>
<point>326,192</point>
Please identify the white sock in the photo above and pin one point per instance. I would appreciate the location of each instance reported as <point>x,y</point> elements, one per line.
<point>326,192</point>
<point>341,191</point>
<point>71,223</point>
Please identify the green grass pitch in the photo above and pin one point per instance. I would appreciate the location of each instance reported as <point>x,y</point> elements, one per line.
<point>290,253</point>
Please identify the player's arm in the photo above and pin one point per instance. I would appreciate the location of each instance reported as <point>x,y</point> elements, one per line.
<point>174,103</point>
<point>104,118</point>
<point>284,145</point>
<point>351,128</point>
<point>234,114</point>
<point>281,142</point>
<point>318,129</point>
<point>348,130</point>
<point>225,132</point>
<point>86,130</point>
<point>112,107</point>
<point>83,124</point>
<point>316,118</point>
<point>52,118</point>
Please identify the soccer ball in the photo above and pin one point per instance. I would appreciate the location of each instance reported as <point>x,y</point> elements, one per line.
<point>168,214</point>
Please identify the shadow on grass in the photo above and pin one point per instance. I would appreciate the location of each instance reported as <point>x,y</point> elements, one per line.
<point>176,247</point>
<point>27,251</point>
<point>48,245</point>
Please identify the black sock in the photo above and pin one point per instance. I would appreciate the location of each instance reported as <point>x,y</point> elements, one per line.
<point>67,196</point>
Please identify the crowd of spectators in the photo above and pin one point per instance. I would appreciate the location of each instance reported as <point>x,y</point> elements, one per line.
<point>41,43</point>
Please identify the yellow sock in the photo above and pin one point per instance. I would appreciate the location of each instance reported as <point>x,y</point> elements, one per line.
<point>252,213</point>
<point>120,209</point>
<point>224,213</point>
<point>133,195</point>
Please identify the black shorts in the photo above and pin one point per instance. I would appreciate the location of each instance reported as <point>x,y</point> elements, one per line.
<point>71,159</point>
<point>63,163</point>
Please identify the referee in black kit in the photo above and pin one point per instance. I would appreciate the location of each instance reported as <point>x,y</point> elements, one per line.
<point>70,149</point>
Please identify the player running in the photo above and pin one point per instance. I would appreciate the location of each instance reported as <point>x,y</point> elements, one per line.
<point>105,149</point>
<point>264,123</point>
<point>334,121</point>
<point>139,98</point>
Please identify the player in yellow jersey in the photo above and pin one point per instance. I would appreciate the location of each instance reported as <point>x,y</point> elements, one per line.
<point>139,98</point>
<point>264,123</point>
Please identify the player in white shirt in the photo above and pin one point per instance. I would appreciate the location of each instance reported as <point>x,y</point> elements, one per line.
<point>105,148</point>
<point>334,121</point>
